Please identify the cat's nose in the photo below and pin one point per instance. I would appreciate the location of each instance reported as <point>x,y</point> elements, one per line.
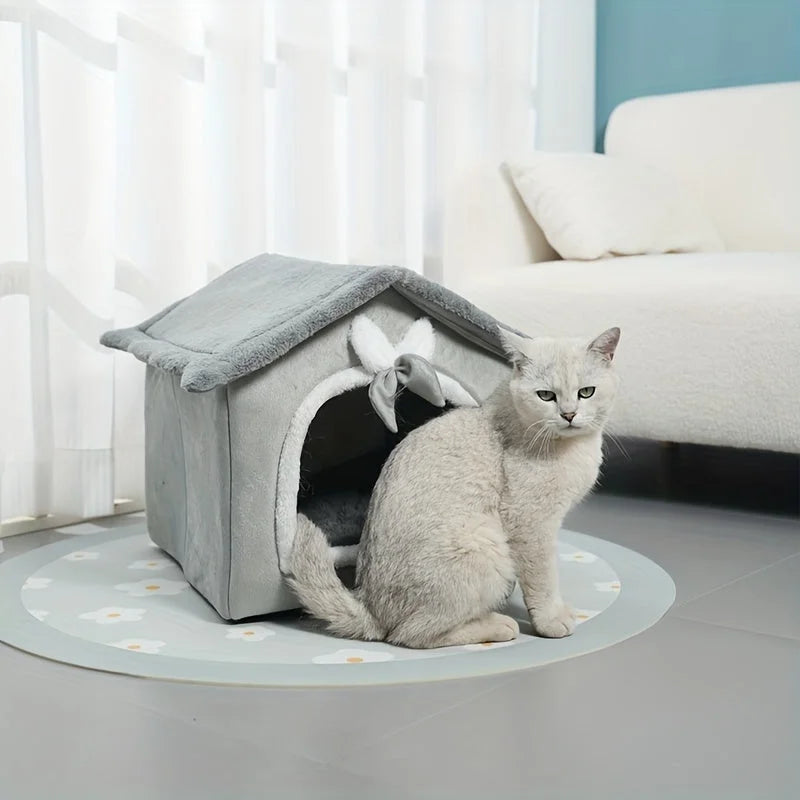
<point>568,415</point>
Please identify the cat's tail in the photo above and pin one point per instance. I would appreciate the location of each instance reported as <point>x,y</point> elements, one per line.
<point>320,590</point>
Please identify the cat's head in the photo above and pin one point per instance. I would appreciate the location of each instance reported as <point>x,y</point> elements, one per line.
<point>562,387</point>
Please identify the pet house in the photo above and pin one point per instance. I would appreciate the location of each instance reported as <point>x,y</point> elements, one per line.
<point>283,385</point>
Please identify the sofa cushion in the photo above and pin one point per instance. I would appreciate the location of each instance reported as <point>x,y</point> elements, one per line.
<point>594,206</point>
<point>710,341</point>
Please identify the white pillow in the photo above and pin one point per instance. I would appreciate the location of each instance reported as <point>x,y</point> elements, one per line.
<point>591,206</point>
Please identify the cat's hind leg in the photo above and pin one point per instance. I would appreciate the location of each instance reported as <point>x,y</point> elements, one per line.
<point>448,586</point>
<point>491,627</point>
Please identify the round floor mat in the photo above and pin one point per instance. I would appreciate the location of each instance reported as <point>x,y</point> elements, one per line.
<point>115,602</point>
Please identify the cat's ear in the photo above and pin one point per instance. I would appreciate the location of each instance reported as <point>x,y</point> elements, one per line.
<point>605,344</point>
<point>514,346</point>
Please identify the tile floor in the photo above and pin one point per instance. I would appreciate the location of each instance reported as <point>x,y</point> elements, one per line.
<point>706,704</point>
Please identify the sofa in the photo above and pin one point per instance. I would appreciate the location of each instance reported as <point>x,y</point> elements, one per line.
<point>710,349</point>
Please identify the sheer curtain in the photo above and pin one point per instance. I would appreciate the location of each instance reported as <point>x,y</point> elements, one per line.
<point>147,146</point>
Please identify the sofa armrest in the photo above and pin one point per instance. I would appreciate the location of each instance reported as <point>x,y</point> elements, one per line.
<point>487,226</point>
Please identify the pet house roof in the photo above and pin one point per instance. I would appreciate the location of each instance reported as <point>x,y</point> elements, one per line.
<point>257,312</point>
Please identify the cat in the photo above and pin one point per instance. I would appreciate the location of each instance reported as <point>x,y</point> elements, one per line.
<point>471,503</point>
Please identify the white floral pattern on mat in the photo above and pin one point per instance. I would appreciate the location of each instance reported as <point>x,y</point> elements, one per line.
<point>151,646</point>
<point>584,615</point>
<point>111,615</point>
<point>37,583</point>
<point>353,657</point>
<point>489,645</point>
<point>150,586</point>
<point>579,557</point>
<point>250,633</point>
<point>82,555</point>
<point>608,586</point>
<point>84,599</point>
<point>150,564</point>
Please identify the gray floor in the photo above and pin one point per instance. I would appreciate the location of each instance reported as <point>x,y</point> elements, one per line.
<point>704,705</point>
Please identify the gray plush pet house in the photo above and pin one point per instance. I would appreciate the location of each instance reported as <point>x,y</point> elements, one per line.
<point>281,384</point>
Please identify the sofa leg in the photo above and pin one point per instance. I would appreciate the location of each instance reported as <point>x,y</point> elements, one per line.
<point>669,468</point>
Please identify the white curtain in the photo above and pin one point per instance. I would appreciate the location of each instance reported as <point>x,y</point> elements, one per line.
<point>147,146</point>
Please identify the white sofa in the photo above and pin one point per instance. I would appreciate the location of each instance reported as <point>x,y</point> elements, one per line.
<point>710,349</point>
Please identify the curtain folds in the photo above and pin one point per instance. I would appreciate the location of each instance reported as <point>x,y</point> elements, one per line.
<point>147,146</point>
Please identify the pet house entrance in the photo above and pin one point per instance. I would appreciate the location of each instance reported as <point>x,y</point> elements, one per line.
<point>344,451</point>
<point>331,461</point>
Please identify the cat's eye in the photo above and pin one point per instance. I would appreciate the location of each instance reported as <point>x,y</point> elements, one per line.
<point>587,391</point>
<point>546,396</point>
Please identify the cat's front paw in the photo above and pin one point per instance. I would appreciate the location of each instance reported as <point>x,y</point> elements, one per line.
<point>554,621</point>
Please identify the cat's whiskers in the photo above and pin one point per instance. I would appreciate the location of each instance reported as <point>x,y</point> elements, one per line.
<point>533,425</point>
<point>616,441</point>
<point>613,438</point>
<point>539,439</point>
<point>540,434</point>
<point>544,435</point>
<point>527,431</point>
<point>528,443</point>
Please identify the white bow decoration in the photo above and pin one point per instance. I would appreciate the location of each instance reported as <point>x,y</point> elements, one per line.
<point>404,365</point>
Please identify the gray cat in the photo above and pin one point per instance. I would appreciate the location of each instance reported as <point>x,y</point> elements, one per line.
<point>471,502</point>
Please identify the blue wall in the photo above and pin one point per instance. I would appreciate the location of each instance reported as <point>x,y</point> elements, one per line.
<point>658,46</point>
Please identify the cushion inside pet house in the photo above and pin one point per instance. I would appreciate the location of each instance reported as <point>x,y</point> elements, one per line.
<point>282,383</point>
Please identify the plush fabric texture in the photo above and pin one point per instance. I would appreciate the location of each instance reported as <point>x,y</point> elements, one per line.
<point>218,496</point>
<point>218,461</point>
<point>257,312</point>
<point>188,489</point>
<point>592,206</point>
<point>340,515</point>
<point>736,149</point>
<point>709,340</point>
